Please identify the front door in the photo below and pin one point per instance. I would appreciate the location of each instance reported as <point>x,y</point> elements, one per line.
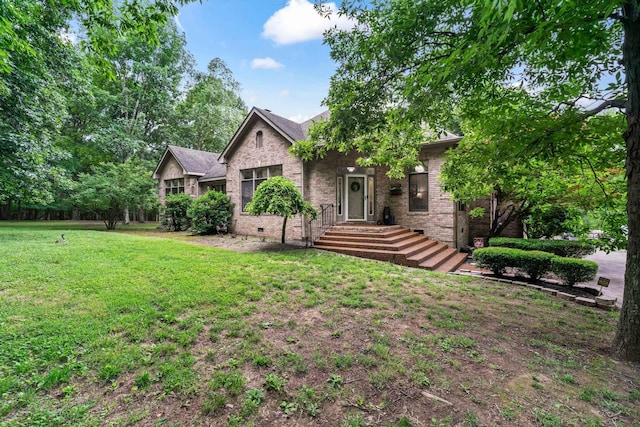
<point>356,192</point>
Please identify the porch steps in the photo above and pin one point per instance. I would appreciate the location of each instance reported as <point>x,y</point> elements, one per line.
<point>391,244</point>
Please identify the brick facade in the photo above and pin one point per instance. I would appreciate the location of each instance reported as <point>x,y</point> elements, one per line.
<point>443,219</point>
<point>172,170</point>
<point>246,155</point>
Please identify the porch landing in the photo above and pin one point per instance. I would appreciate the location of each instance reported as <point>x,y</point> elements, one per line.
<point>391,243</point>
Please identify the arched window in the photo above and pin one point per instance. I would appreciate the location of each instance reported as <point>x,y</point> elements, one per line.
<point>259,139</point>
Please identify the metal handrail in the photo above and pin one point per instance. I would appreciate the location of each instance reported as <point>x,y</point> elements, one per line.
<point>325,220</point>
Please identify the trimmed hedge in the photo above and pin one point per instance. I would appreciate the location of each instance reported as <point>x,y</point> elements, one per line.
<point>497,259</point>
<point>535,264</point>
<point>573,271</point>
<point>562,248</point>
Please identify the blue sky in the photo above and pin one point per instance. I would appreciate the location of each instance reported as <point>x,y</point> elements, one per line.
<point>273,47</point>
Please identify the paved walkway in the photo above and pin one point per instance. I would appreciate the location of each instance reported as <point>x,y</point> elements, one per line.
<point>612,266</point>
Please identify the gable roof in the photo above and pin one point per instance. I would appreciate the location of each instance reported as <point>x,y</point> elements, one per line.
<point>194,162</point>
<point>290,130</point>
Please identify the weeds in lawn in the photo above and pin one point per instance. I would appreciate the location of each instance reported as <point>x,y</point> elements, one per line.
<point>125,329</point>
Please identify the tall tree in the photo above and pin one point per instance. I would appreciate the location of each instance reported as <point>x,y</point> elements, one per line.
<point>135,101</point>
<point>408,63</point>
<point>34,60</point>
<point>211,111</point>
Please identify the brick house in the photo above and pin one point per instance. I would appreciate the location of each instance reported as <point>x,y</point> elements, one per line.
<point>260,149</point>
<point>183,170</point>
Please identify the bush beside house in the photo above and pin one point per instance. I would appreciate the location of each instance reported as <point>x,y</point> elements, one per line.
<point>536,264</point>
<point>562,248</point>
<point>210,213</point>
<point>174,214</point>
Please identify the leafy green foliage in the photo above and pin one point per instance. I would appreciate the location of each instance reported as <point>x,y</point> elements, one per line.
<point>110,189</point>
<point>548,221</point>
<point>573,271</point>
<point>536,264</point>
<point>496,259</point>
<point>279,196</point>
<point>210,213</point>
<point>45,92</point>
<point>174,213</point>
<point>563,248</point>
<point>528,78</point>
<point>211,111</point>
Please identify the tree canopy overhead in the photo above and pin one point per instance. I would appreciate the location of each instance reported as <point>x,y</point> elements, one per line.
<point>411,64</point>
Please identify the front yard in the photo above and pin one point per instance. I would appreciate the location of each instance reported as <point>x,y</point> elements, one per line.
<point>125,328</point>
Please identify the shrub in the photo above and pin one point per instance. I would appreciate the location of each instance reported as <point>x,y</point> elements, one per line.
<point>497,259</point>
<point>573,271</point>
<point>210,213</point>
<point>174,214</point>
<point>535,263</point>
<point>546,221</point>
<point>562,248</point>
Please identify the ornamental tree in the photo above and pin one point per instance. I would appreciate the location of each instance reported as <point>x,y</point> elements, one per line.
<point>279,196</point>
<point>113,187</point>
<point>410,64</point>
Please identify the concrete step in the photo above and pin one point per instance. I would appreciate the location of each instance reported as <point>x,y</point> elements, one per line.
<point>377,254</point>
<point>380,244</point>
<point>337,232</point>
<point>366,238</point>
<point>412,251</point>
<point>391,244</point>
<point>452,263</point>
<point>438,259</point>
<point>416,259</point>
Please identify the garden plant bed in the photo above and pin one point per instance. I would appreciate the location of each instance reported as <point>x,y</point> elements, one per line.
<point>549,283</point>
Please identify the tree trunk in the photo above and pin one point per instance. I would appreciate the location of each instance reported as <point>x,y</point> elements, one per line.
<point>284,228</point>
<point>141,216</point>
<point>627,341</point>
<point>126,221</point>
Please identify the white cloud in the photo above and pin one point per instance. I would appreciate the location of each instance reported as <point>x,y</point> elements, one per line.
<point>298,21</point>
<point>266,63</point>
<point>285,93</point>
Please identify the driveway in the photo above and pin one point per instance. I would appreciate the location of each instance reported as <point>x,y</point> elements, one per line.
<point>612,266</point>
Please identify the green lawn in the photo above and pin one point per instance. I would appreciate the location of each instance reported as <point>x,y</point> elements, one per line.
<point>126,328</point>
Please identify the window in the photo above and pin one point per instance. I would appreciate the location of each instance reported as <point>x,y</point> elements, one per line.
<point>251,178</point>
<point>173,186</point>
<point>221,188</point>
<point>259,139</point>
<point>419,188</point>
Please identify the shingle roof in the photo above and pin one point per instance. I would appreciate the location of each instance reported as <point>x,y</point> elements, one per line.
<point>292,129</point>
<point>320,117</point>
<point>194,162</point>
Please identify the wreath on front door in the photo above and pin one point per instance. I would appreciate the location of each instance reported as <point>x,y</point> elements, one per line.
<point>355,186</point>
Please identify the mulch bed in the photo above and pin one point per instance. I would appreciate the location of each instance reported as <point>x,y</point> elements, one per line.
<point>550,283</point>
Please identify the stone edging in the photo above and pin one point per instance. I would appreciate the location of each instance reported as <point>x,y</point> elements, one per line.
<point>598,302</point>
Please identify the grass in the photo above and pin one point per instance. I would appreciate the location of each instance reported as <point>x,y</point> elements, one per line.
<point>125,328</point>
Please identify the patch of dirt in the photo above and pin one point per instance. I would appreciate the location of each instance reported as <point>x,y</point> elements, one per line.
<point>238,243</point>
